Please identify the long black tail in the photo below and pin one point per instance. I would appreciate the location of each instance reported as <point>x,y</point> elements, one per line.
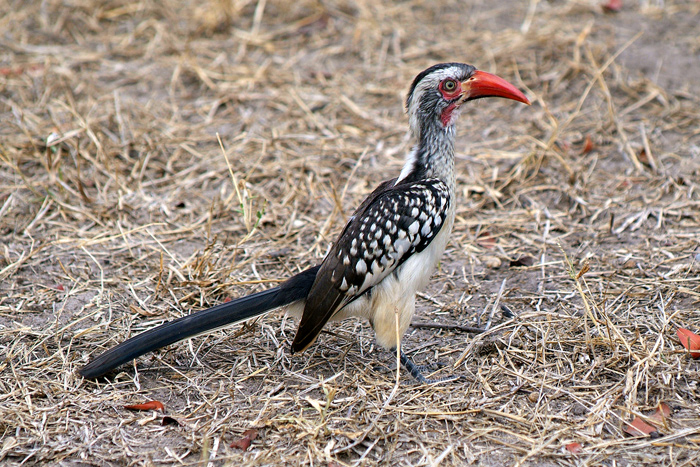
<point>294,289</point>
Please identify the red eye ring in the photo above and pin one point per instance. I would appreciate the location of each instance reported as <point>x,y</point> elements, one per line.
<point>450,88</point>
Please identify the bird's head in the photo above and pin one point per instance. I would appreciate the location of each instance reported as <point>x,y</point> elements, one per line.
<point>437,93</point>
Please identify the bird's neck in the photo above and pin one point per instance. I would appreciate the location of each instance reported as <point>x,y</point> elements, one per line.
<point>432,156</point>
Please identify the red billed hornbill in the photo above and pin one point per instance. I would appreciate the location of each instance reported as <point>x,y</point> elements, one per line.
<point>386,252</point>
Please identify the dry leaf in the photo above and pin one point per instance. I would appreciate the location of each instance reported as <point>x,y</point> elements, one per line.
<point>524,260</point>
<point>574,448</point>
<point>169,421</point>
<point>612,6</point>
<point>244,442</point>
<point>663,411</point>
<point>643,158</point>
<point>150,405</point>
<point>19,70</point>
<point>486,240</point>
<point>690,341</point>
<point>638,427</point>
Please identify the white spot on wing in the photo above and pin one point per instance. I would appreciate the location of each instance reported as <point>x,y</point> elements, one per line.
<point>361,267</point>
<point>402,245</point>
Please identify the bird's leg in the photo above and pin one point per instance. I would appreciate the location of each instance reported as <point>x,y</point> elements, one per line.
<point>417,372</point>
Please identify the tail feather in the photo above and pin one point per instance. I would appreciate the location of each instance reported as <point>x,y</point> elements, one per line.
<point>225,314</point>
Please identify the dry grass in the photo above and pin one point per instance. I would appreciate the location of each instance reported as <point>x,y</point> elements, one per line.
<point>118,211</point>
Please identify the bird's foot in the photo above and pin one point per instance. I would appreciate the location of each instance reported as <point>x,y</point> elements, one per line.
<point>428,368</point>
<point>417,371</point>
<point>432,366</point>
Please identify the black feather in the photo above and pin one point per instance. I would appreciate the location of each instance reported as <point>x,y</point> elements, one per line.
<point>294,289</point>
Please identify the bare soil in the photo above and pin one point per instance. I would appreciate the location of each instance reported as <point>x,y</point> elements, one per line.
<point>118,211</point>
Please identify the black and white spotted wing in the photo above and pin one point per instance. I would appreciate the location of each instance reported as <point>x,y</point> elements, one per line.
<point>392,224</point>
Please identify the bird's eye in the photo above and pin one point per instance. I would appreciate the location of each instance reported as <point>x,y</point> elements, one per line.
<point>449,85</point>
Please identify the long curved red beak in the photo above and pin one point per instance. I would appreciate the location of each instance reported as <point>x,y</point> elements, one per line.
<point>482,84</point>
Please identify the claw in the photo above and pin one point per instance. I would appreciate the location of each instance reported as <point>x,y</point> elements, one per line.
<point>417,371</point>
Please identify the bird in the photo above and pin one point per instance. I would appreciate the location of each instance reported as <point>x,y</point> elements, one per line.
<point>383,256</point>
